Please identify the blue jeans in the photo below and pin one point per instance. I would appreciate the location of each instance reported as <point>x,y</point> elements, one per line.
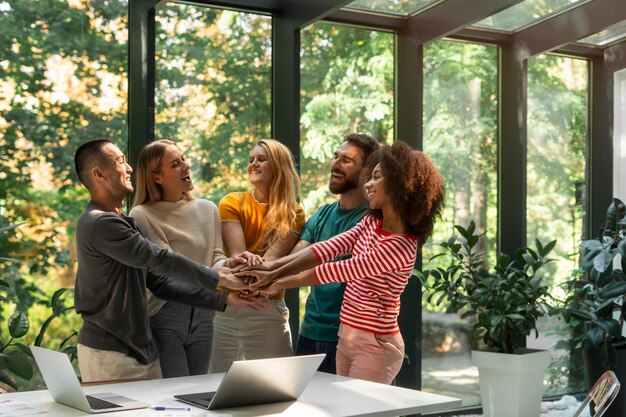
<point>306,346</point>
<point>184,335</point>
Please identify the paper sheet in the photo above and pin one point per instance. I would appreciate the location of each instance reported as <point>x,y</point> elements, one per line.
<point>14,408</point>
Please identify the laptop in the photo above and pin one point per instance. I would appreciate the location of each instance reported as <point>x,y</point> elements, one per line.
<point>63,385</point>
<point>259,381</point>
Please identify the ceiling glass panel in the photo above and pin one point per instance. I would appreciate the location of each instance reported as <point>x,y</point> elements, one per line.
<point>397,7</point>
<point>526,13</point>
<point>609,35</point>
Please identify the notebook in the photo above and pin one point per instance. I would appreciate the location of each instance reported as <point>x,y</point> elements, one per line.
<point>63,385</point>
<point>259,381</point>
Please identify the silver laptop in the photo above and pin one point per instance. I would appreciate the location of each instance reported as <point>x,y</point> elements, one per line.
<point>58,373</point>
<point>259,381</point>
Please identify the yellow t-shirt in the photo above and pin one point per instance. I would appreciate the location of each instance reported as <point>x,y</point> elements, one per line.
<point>241,207</point>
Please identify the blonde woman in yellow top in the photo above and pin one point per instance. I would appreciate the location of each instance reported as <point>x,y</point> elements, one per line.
<point>266,221</point>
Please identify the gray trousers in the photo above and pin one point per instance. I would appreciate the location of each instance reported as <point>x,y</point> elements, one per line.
<point>184,336</point>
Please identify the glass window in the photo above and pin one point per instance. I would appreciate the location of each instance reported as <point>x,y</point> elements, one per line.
<point>610,35</point>
<point>460,135</point>
<point>399,7</point>
<point>619,134</point>
<point>527,13</point>
<point>62,83</point>
<point>346,87</point>
<point>213,91</point>
<point>555,174</point>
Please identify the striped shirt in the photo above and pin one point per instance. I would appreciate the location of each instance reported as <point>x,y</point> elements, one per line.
<point>376,275</point>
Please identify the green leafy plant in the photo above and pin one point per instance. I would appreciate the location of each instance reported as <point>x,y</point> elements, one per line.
<point>506,300</point>
<point>15,356</point>
<point>594,306</point>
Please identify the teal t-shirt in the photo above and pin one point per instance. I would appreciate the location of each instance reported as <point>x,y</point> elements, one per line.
<point>321,315</point>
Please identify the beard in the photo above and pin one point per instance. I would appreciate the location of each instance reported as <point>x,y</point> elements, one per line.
<point>349,183</point>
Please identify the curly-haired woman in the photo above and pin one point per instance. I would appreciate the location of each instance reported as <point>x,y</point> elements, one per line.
<point>405,193</point>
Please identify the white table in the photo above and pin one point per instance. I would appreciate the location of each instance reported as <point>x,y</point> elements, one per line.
<point>326,395</point>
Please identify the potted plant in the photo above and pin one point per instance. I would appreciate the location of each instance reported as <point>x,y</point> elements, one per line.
<point>594,307</point>
<point>15,357</point>
<point>506,301</point>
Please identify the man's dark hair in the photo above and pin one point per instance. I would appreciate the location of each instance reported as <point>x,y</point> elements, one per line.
<point>87,156</point>
<point>364,142</point>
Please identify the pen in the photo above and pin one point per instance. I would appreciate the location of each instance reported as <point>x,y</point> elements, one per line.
<point>162,408</point>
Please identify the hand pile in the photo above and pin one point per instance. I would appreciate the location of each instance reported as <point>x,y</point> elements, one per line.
<point>250,277</point>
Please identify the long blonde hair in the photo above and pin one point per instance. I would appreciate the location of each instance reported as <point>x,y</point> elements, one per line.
<point>284,192</point>
<point>150,161</point>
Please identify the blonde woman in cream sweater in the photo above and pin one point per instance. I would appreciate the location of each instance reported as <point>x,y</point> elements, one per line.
<point>169,216</point>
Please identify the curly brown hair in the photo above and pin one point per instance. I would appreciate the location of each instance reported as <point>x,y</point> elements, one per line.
<point>414,185</point>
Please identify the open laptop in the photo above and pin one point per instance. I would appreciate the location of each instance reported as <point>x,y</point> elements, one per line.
<point>63,385</point>
<point>259,381</point>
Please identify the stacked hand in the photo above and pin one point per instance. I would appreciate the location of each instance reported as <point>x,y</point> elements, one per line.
<point>229,281</point>
<point>243,259</point>
<point>240,295</point>
<point>257,276</point>
<point>254,301</point>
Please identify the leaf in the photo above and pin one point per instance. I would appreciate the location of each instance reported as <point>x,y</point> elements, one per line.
<point>45,325</point>
<point>528,258</point>
<point>620,208</point>
<point>20,366</point>
<point>591,244</point>
<point>55,302</point>
<point>621,249</point>
<point>602,261</point>
<point>548,248</point>
<point>595,335</point>
<point>581,314</point>
<point>614,289</point>
<point>18,324</point>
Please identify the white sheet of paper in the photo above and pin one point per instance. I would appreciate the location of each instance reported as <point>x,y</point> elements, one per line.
<point>14,408</point>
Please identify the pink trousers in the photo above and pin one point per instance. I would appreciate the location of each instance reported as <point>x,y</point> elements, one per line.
<point>369,356</point>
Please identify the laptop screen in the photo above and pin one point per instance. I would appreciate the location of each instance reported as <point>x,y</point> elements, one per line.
<point>259,381</point>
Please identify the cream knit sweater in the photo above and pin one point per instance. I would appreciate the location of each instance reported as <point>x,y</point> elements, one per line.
<point>190,228</point>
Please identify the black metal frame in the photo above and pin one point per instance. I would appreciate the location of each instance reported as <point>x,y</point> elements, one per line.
<point>449,18</point>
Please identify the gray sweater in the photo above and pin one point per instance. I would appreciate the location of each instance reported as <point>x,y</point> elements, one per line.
<point>115,265</point>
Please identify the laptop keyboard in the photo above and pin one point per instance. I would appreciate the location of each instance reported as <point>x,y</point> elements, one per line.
<point>98,404</point>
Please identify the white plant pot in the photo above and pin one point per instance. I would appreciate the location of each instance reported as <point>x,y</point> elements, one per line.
<point>511,385</point>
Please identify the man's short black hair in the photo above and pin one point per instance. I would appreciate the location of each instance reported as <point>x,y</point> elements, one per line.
<point>87,156</point>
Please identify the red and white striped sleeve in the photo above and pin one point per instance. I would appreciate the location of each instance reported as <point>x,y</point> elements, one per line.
<point>339,245</point>
<point>393,254</point>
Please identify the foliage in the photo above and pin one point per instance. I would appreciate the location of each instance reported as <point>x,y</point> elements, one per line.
<point>347,80</point>
<point>594,307</point>
<point>461,124</point>
<point>556,157</point>
<point>506,301</point>
<point>15,357</point>
<point>213,93</point>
